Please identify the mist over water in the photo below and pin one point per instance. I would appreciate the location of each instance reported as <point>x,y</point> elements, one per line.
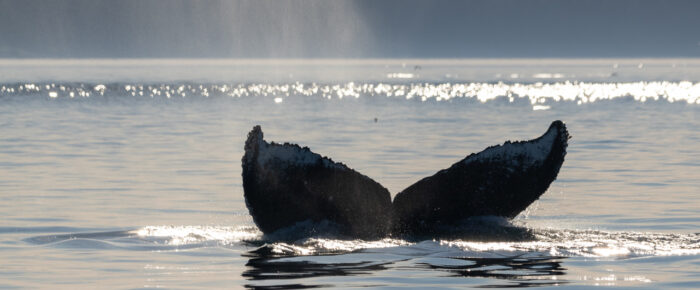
<point>348,29</point>
<point>262,29</point>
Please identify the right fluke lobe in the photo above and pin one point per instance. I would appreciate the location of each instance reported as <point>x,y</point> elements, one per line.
<point>502,180</point>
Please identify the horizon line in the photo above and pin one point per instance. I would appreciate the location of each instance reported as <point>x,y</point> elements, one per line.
<point>343,61</point>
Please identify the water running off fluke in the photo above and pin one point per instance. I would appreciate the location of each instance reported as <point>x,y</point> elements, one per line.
<point>286,185</point>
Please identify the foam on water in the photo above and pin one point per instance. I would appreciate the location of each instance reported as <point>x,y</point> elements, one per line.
<point>579,243</point>
<point>183,235</point>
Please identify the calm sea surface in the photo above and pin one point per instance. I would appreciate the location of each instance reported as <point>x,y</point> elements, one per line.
<point>127,173</point>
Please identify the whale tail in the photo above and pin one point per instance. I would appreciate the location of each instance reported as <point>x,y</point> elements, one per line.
<point>502,180</point>
<point>286,186</point>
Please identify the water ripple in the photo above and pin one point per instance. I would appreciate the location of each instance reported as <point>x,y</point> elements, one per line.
<point>551,242</point>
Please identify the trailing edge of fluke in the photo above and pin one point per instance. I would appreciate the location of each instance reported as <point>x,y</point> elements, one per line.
<point>286,185</point>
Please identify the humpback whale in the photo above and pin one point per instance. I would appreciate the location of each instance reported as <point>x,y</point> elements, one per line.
<point>287,185</point>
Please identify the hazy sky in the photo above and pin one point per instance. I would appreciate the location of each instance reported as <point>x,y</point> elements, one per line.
<point>337,29</point>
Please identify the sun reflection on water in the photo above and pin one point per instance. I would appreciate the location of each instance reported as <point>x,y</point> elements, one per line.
<point>539,95</point>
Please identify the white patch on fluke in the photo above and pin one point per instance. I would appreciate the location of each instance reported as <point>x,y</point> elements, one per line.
<point>529,153</point>
<point>290,154</point>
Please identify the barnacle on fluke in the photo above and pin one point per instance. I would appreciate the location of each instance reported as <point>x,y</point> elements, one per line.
<point>287,185</point>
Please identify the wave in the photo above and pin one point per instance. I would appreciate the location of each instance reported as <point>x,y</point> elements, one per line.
<point>485,238</point>
<point>539,95</point>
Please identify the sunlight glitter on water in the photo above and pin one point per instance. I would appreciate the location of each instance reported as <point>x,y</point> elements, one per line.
<point>537,94</point>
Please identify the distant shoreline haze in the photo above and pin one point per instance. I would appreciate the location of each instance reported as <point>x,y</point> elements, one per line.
<point>395,70</point>
<point>258,29</point>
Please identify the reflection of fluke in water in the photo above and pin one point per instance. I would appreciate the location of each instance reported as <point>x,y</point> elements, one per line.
<point>287,185</point>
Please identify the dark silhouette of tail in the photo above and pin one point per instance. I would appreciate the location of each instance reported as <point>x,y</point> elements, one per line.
<point>286,185</point>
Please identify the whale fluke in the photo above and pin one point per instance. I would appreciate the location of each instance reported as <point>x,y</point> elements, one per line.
<point>502,180</point>
<point>285,185</point>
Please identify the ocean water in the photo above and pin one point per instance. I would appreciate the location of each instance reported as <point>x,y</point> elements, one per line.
<point>127,173</point>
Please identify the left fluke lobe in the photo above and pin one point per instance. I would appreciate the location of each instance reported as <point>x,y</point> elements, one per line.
<point>287,185</point>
